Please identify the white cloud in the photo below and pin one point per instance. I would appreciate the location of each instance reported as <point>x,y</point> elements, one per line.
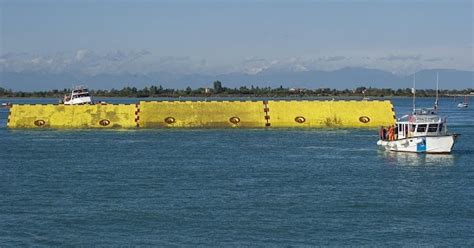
<point>143,62</point>
<point>36,61</point>
<point>80,54</point>
<point>401,58</point>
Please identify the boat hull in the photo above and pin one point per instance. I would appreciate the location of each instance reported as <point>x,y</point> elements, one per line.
<point>80,100</point>
<point>422,144</point>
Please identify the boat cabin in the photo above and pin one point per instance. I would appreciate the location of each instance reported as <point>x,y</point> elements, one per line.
<point>423,122</point>
<point>79,95</point>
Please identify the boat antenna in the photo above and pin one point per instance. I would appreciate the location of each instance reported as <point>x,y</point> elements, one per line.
<point>437,84</point>
<point>413,91</point>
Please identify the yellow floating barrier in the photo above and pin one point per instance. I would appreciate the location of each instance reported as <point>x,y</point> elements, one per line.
<point>316,114</point>
<point>199,114</point>
<point>206,114</point>
<point>72,116</point>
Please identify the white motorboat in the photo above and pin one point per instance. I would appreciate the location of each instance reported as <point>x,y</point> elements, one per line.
<point>79,95</point>
<point>6,105</point>
<point>464,104</point>
<point>423,131</point>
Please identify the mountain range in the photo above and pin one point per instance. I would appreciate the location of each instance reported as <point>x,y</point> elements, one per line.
<point>344,78</point>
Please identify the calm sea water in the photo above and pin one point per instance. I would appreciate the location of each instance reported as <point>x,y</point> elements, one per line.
<point>233,187</point>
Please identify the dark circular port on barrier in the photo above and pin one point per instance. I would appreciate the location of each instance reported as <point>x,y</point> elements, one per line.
<point>104,122</point>
<point>300,119</point>
<point>234,120</point>
<point>364,119</point>
<point>170,120</point>
<point>39,123</point>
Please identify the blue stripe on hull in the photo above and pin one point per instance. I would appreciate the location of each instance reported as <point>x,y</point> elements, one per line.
<point>421,147</point>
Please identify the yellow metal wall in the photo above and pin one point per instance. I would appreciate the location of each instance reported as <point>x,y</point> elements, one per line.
<point>331,113</point>
<point>212,114</point>
<point>72,116</point>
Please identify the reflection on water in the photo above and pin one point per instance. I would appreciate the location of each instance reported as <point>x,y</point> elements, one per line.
<point>414,159</point>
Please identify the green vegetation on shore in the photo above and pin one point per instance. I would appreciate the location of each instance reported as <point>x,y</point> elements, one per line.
<point>221,91</point>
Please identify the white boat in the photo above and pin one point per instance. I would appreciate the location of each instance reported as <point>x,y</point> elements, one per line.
<point>6,105</point>
<point>464,104</point>
<point>423,131</point>
<point>79,95</point>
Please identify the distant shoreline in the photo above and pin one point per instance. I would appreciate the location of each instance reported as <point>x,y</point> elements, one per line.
<point>219,91</point>
<point>210,98</point>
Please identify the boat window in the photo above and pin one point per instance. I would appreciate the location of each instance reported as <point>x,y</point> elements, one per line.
<point>440,127</point>
<point>421,128</point>
<point>432,128</point>
<point>412,128</point>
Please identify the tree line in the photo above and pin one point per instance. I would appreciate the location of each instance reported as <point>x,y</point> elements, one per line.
<point>219,90</point>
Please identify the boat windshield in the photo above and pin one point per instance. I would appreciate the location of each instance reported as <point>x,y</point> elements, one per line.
<point>76,91</point>
<point>81,95</point>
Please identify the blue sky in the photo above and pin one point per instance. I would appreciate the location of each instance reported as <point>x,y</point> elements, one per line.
<point>235,36</point>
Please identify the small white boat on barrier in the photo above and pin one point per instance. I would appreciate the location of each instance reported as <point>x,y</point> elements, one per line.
<point>79,95</point>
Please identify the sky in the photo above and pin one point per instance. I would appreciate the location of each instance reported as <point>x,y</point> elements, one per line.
<point>212,37</point>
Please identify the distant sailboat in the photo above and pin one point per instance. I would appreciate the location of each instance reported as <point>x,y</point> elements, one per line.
<point>464,104</point>
<point>365,97</point>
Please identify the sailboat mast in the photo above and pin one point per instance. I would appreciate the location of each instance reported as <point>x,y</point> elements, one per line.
<point>437,85</point>
<point>413,91</point>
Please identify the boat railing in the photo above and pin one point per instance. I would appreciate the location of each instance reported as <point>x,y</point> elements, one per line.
<point>425,118</point>
<point>426,111</point>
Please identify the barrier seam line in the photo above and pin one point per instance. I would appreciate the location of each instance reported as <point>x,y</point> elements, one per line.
<point>137,114</point>
<point>9,114</point>
<point>266,109</point>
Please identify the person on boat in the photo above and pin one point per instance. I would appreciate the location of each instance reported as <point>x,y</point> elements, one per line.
<point>391,133</point>
<point>383,133</point>
<point>395,132</point>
